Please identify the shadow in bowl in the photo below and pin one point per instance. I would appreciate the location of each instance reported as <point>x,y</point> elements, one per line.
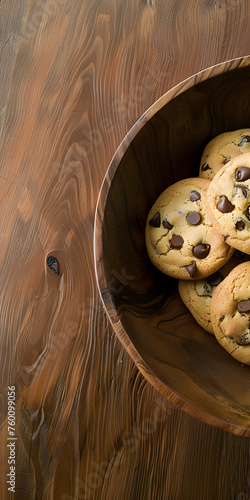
<point>179,358</point>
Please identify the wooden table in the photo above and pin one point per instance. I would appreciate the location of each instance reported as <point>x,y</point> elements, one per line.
<point>75,76</point>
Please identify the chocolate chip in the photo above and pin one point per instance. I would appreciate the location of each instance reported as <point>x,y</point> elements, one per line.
<point>167,224</point>
<point>240,224</point>
<point>244,306</point>
<point>244,140</point>
<point>225,236</point>
<point>195,195</point>
<point>242,174</point>
<point>192,268</point>
<point>194,218</point>
<point>221,318</point>
<point>224,205</point>
<point>176,241</point>
<point>206,288</point>
<point>248,212</point>
<point>201,251</point>
<point>215,279</point>
<point>244,189</point>
<point>205,167</point>
<point>53,264</point>
<point>156,220</point>
<point>244,340</point>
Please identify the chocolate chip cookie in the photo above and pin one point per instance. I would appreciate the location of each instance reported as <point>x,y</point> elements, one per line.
<point>180,239</point>
<point>197,294</point>
<point>230,313</point>
<point>228,200</point>
<point>220,150</point>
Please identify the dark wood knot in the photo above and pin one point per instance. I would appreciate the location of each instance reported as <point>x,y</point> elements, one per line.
<point>53,264</point>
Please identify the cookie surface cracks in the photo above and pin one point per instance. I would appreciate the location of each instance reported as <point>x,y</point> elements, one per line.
<point>180,239</point>
<point>230,313</point>
<point>221,149</point>
<point>197,294</point>
<point>228,200</point>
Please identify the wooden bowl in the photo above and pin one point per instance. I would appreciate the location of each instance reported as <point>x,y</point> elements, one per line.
<point>173,352</point>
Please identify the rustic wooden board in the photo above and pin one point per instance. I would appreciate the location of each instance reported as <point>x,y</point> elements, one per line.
<point>12,18</point>
<point>89,426</point>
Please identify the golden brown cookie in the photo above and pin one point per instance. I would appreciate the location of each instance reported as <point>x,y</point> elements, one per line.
<point>197,294</point>
<point>221,149</point>
<point>180,239</point>
<point>230,313</point>
<point>228,201</point>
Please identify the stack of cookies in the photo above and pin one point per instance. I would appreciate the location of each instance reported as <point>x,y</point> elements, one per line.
<point>198,231</point>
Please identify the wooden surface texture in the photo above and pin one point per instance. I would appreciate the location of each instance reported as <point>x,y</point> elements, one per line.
<point>77,76</point>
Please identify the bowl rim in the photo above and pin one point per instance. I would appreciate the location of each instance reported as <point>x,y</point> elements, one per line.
<point>103,288</point>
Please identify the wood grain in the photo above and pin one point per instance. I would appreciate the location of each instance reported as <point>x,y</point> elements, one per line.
<point>12,18</point>
<point>88,423</point>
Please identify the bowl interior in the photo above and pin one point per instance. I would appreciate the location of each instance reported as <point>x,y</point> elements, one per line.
<point>182,360</point>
